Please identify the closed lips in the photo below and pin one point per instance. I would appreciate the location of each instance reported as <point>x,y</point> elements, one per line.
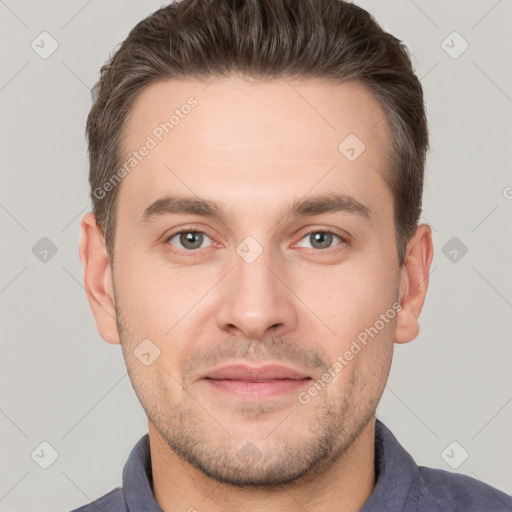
<point>252,374</point>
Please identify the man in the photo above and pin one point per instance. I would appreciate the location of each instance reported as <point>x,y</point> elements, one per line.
<point>254,246</point>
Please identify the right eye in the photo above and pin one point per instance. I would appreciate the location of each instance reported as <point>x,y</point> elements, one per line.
<point>188,239</point>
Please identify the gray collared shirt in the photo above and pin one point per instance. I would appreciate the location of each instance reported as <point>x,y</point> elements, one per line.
<point>402,485</point>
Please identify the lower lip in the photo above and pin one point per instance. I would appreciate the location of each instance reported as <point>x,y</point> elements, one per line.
<point>258,389</point>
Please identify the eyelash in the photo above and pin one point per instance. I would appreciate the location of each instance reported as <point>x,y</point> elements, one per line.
<point>194,252</point>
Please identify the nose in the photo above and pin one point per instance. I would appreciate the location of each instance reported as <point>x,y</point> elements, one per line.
<point>255,301</point>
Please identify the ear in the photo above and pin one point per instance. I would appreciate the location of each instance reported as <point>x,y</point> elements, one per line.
<point>98,278</point>
<point>414,283</point>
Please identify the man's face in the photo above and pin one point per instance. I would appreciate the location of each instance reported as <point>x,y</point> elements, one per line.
<point>257,286</point>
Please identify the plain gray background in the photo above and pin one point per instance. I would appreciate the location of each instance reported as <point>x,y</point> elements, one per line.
<point>63,385</point>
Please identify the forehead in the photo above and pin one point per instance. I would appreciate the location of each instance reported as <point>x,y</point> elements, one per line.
<point>238,140</point>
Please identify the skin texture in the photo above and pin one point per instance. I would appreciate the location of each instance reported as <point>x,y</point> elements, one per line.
<point>254,147</point>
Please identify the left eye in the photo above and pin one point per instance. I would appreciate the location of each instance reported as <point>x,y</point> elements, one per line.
<point>189,240</point>
<point>321,239</point>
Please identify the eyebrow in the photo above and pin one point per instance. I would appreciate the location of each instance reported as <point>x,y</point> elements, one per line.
<point>316,205</point>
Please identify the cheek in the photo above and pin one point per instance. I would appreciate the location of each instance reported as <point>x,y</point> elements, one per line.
<point>350,298</point>
<point>164,305</point>
<point>146,288</point>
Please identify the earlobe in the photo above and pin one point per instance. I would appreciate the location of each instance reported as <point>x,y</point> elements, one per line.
<point>414,283</point>
<point>98,278</point>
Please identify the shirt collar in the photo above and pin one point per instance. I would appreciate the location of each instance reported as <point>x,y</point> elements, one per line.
<point>397,480</point>
<point>138,479</point>
<point>397,475</point>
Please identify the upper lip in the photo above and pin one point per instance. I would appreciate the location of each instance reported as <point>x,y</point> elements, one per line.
<point>251,373</point>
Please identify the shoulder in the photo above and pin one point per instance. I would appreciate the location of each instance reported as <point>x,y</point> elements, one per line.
<point>111,502</point>
<point>442,490</point>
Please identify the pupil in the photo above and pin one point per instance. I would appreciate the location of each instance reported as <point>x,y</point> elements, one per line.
<point>187,239</point>
<point>324,239</point>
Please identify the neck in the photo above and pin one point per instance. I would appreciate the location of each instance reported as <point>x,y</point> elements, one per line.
<point>344,486</point>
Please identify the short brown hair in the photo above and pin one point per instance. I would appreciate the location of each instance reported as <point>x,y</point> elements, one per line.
<point>326,39</point>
